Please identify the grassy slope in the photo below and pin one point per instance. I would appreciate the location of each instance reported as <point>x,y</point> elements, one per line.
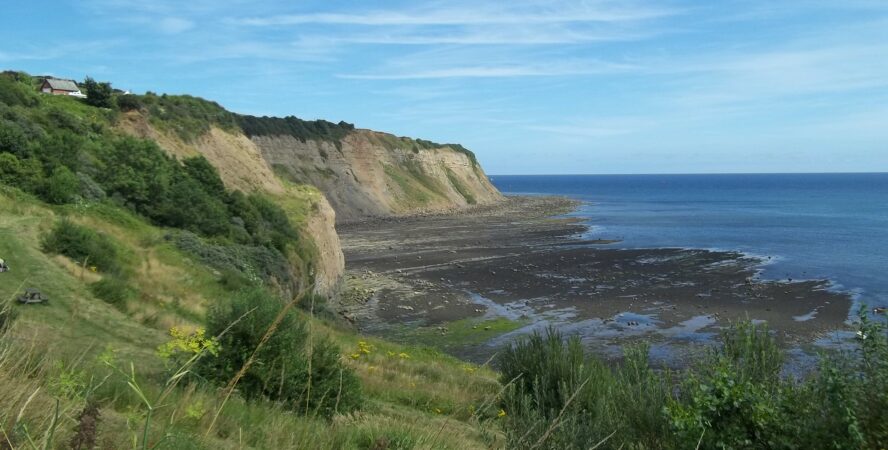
<point>419,399</point>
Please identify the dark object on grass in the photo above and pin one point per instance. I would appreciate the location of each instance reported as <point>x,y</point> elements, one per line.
<point>32,296</point>
<point>87,428</point>
<point>879,310</point>
<point>3,266</point>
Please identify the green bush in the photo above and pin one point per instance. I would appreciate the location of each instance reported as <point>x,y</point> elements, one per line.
<point>112,290</point>
<point>281,370</point>
<point>129,102</point>
<point>16,89</point>
<point>83,245</point>
<point>560,399</point>
<point>26,175</point>
<point>13,138</point>
<point>320,130</point>
<point>62,186</point>
<point>254,263</point>
<point>735,397</point>
<point>189,117</point>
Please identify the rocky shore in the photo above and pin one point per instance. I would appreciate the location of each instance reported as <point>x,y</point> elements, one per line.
<point>470,281</point>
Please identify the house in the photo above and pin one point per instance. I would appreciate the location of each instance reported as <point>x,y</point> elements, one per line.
<point>56,86</point>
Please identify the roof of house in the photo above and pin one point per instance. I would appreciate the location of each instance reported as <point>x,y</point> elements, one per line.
<point>62,85</point>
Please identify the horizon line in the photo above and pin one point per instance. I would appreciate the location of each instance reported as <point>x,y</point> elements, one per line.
<point>682,174</point>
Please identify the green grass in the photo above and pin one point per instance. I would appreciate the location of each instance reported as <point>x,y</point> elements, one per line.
<point>416,194</point>
<point>458,333</point>
<point>416,396</point>
<point>461,188</point>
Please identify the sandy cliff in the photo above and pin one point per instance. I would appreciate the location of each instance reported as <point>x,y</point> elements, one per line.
<point>368,173</point>
<point>359,173</point>
<point>241,166</point>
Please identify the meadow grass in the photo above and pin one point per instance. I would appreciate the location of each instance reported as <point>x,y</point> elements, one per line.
<point>78,350</point>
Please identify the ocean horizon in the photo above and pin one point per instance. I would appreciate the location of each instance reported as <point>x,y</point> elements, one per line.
<point>831,226</point>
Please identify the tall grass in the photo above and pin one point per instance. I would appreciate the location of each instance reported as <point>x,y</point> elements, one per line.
<point>734,397</point>
<point>563,399</point>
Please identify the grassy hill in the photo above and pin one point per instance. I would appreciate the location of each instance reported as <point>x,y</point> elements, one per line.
<point>59,353</point>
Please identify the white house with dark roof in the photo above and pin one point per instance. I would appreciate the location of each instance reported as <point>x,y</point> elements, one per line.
<point>56,86</point>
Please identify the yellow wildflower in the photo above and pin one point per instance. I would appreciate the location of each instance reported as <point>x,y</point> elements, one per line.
<point>501,413</point>
<point>403,355</point>
<point>355,355</point>
<point>184,342</point>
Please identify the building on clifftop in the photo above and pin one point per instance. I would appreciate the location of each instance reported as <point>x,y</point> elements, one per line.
<point>56,86</point>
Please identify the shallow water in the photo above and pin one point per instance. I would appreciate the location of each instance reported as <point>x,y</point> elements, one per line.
<point>803,226</point>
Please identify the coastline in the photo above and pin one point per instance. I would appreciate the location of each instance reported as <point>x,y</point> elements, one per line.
<point>470,282</point>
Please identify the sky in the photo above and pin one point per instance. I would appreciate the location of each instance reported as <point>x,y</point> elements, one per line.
<point>533,87</point>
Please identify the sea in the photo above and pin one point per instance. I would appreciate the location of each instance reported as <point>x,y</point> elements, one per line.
<point>801,226</point>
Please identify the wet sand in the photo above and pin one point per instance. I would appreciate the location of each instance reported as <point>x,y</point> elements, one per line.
<point>525,262</point>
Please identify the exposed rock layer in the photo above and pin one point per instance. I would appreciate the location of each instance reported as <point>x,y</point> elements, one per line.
<point>364,174</point>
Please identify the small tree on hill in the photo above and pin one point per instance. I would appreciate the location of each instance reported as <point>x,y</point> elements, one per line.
<point>98,94</point>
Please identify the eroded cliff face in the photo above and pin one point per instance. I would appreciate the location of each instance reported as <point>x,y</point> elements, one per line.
<point>242,167</point>
<point>331,177</point>
<point>368,173</point>
<point>330,265</point>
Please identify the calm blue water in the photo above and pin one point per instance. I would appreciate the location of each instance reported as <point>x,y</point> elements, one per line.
<point>832,226</point>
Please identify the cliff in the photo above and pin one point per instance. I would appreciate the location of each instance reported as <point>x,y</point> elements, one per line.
<point>320,172</point>
<point>241,166</point>
<point>367,173</point>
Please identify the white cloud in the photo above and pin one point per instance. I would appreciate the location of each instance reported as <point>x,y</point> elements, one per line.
<point>498,71</point>
<point>539,35</point>
<point>174,25</point>
<point>527,13</point>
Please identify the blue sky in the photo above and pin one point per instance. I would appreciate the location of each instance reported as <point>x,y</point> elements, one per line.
<point>531,86</point>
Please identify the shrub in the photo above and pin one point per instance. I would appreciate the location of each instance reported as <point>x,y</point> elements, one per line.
<point>13,138</point>
<point>16,89</point>
<point>62,186</point>
<point>129,102</point>
<point>320,130</point>
<point>254,263</point>
<point>559,399</point>
<point>113,290</point>
<point>26,175</point>
<point>89,189</point>
<point>281,368</point>
<point>187,116</point>
<point>83,245</point>
<point>735,397</point>
<point>734,393</point>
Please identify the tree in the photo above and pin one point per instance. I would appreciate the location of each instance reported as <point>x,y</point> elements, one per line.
<point>98,94</point>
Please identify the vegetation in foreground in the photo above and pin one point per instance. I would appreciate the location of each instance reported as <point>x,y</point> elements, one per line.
<point>734,397</point>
